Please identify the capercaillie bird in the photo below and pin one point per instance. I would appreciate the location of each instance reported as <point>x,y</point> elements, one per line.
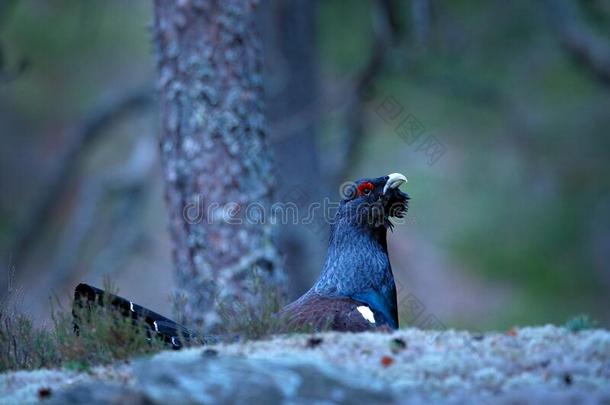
<point>355,290</point>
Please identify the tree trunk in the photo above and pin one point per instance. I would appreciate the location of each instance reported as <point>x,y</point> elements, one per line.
<point>216,162</point>
<point>288,33</point>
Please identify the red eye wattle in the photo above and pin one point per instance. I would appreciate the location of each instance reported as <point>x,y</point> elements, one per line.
<point>365,188</point>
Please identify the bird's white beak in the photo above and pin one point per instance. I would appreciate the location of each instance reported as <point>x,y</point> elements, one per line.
<point>394,181</point>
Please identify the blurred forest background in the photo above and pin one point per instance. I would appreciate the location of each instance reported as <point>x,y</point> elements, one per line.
<point>509,223</point>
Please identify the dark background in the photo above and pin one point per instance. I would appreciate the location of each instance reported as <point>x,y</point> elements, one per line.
<point>493,110</point>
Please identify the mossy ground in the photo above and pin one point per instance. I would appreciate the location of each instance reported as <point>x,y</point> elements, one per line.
<point>522,365</point>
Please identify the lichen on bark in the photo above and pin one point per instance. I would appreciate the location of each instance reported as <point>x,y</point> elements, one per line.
<point>214,153</point>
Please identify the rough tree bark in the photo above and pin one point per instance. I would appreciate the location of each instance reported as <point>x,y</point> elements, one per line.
<point>216,161</point>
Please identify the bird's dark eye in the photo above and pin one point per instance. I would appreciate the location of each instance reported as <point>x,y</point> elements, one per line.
<point>365,188</point>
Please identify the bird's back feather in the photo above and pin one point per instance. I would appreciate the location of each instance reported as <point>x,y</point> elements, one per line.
<point>314,312</point>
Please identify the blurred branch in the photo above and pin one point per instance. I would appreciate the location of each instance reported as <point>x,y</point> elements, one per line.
<point>86,135</point>
<point>74,233</point>
<point>6,75</point>
<point>126,189</point>
<point>579,40</point>
<point>421,16</point>
<point>6,9</point>
<point>362,89</point>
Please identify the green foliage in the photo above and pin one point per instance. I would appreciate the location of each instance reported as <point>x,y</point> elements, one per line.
<point>104,336</point>
<point>252,320</point>
<point>580,322</point>
<point>23,346</point>
<point>256,320</point>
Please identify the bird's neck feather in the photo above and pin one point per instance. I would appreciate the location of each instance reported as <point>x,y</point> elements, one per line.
<point>357,261</point>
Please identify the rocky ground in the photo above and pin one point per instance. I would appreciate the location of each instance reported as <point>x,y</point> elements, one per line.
<point>527,365</point>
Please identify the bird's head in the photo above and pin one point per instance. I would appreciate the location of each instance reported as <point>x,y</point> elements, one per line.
<point>373,201</point>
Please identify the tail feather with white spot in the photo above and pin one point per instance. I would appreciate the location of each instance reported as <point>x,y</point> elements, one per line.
<point>158,326</point>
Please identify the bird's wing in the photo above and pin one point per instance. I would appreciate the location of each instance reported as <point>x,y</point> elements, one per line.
<point>314,312</point>
<point>385,310</point>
